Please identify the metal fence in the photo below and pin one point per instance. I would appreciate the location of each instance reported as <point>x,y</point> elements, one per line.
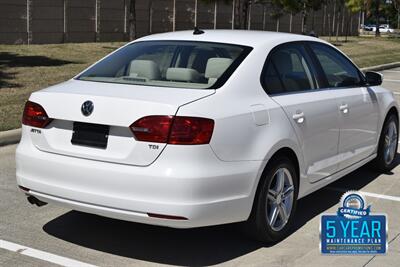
<point>58,21</point>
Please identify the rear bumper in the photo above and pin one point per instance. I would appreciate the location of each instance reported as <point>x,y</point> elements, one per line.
<point>185,181</point>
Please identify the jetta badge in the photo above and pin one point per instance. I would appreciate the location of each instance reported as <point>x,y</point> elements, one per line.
<point>87,108</point>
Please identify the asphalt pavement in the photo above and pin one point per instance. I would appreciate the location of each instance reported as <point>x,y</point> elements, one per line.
<point>32,236</point>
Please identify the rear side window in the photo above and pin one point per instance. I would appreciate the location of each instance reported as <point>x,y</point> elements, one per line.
<point>287,70</point>
<point>179,64</point>
<point>339,71</point>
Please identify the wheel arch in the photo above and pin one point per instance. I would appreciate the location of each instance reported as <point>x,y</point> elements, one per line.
<point>285,151</point>
<point>391,110</point>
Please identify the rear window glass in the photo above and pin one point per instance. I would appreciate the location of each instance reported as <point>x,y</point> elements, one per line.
<point>181,64</point>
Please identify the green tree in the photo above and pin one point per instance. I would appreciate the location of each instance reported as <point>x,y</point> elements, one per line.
<point>372,7</point>
<point>215,3</point>
<point>396,6</point>
<point>354,6</point>
<point>277,11</point>
<point>376,13</point>
<point>300,6</point>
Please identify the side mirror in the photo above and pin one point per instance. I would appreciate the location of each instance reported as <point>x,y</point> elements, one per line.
<point>373,78</point>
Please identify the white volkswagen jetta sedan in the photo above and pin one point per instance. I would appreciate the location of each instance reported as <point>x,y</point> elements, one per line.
<point>193,129</point>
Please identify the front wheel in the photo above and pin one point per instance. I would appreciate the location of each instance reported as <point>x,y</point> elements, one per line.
<point>275,203</point>
<point>388,142</point>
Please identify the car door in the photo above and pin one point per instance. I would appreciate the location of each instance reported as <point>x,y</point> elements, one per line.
<point>289,79</point>
<point>356,103</point>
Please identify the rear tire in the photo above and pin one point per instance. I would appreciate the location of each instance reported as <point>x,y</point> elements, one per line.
<point>387,147</point>
<point>275,203</point>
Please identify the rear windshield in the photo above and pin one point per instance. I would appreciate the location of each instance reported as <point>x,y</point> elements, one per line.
<point>182,64</point>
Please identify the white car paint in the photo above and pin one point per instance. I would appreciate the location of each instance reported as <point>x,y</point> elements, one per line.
<point>208,184</point>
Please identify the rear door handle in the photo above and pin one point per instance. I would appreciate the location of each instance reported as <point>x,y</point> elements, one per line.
<point>299,117</point>
<point>344,108</point>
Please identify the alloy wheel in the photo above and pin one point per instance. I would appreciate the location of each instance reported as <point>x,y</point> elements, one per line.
<point>280,198</point>
<point>390,143</point>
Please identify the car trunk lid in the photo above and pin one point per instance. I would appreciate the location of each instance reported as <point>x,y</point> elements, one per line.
<point>115,108</point>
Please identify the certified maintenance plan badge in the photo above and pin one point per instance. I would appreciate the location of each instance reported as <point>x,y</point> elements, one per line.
<point>353,230</point>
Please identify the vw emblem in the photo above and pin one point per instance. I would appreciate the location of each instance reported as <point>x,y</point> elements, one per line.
<point>87,108</point>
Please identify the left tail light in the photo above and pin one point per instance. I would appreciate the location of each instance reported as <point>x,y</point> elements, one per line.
<point>35,115</point>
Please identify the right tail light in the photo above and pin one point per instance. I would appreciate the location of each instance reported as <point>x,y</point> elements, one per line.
<point>177,130</point>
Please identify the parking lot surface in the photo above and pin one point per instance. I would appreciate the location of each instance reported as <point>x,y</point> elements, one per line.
<point>51,236</point>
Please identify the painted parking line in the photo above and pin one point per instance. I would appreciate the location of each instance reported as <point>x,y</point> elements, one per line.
<point>42,255</point>
<point>391,80</point>
<point>394,71</point>
<point>393,198</point>
<point>380,196</point>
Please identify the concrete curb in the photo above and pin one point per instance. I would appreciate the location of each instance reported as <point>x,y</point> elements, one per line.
<point>382,67</point>
<point>13,136</point>
<point>10,137</point>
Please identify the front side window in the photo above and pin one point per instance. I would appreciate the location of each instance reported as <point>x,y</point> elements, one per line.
<point>338,69</point>
<point>287,70</point>
<point>182,64</point>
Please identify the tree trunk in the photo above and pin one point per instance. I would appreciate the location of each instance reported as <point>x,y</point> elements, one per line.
<point>277,24</point>
<point>65,20</point>
<point>304,23</point>
<point>313,21</point>
<point>132,20</point>
<point>350,33</point>
<point>329,26</point>
<point>28,21</point>
<point>363,17</point>
<point>233,14</point>
<point>343,19</point>
<point>249,16</point>
<point>264,16</point>
<point>304,20</point>
<point>195,13</point>
<point>215,14</point>
<point>244,15</point>
<point>174,16</point>
<point>150,17</point>
<point>324,21</point>
<point>97,20</point>
<point>237,14</point>
<point>398,18</point>
<point>334,17</point>
<point>346,28</point>
<point>377,6</point>
<point>126,35</point>
<point>337,26</point>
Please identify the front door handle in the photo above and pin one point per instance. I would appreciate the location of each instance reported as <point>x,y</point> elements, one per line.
<point>298,117</point>
<point>344,108</point>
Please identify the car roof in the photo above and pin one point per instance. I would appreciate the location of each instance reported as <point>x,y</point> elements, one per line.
<point>239,37</point>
